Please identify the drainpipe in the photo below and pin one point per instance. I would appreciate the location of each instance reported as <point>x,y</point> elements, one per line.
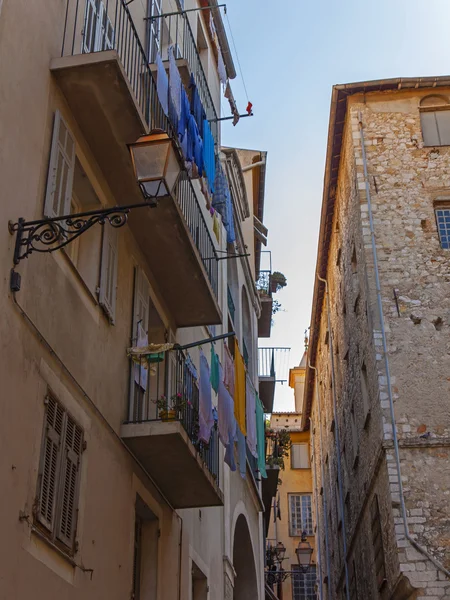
<point>413,542</point>
<point>338,441</point>
<point>319,557</point>
<point>322,472</point>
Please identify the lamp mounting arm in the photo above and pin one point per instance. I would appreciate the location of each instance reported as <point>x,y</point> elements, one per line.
<point>50,234</point>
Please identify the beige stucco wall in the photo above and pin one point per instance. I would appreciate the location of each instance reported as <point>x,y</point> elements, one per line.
<point>61,338</point>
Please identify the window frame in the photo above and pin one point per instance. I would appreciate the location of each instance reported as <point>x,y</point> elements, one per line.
<point>441,104</point>
<point>306,580</point>
<point>442,206</point>
<point>55,529</point>
<point>292,531</point>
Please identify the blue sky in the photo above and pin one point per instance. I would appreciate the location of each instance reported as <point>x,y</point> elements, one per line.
<point>291,54</point>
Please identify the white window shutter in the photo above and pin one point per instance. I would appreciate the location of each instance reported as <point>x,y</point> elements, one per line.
<point>108,271</point>
<point>73,445</point>
<point>60,170</point>
<point>300,456</point>
<point>90,29</point>
<point>141,302</point>
<point>50,464</point>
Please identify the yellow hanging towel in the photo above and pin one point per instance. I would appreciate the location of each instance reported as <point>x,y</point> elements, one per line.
<point>239,389</point>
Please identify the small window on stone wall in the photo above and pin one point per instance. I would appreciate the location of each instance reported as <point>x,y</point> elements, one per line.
<point>442,211</point>
<point>435,120</point>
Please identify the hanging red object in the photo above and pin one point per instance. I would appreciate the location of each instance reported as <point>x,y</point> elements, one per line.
<point>249,108</point>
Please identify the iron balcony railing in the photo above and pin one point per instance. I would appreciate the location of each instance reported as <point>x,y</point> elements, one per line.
<point>263,283</point>
<point>174,30</point>
<point>173,380</point>
<point>94,26</point>
<point>274,362</point>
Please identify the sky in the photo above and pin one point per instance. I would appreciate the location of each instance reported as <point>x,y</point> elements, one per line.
<point>291,54</point>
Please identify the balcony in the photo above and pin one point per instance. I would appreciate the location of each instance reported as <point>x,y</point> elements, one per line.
<point>265,295</point>
<point>266,373</point>
<point>270,483</point>
<point>185,469</point>
<point>106,79</point>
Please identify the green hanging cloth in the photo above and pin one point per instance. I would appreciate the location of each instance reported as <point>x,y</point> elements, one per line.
<point>261,437</point>
<point>214,377</point>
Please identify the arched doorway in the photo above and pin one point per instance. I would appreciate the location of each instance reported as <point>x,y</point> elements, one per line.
<point>245,583</point>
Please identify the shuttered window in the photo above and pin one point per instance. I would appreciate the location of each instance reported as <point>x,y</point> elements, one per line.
<point>300,456</point>
<point>300,514</point>
<point>377,541</point>
<point>108,272</point>
<point>98,31</point>
<point>59,474</point>
<point>60,171</point>
<point>436,127</point>
<point>304,583</point>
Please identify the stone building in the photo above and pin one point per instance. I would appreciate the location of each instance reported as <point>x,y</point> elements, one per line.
<point>105,493</point>
<point>377,385</point>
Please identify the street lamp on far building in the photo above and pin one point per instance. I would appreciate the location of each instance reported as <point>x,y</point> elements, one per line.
<point>304,553</point>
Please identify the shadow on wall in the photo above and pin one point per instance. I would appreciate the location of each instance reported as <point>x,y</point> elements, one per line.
<point>245,584</point>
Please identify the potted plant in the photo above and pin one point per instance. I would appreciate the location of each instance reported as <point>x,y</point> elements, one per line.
<point>170,409</point>
<point>277,281</point>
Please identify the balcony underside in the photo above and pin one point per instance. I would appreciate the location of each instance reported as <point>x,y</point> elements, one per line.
<point>106,110</point>
<point>265,319</point>
<point>267,392</point>
<point>168,455</point>
<point>269,490</point>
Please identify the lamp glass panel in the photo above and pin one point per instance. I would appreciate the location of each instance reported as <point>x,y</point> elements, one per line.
<point>173,170</point>
<point>150,159</point>
<point>155,189</point>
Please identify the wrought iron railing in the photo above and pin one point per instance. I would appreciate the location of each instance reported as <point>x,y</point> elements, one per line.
<point>172,386</point>
<point>273,362</point>
<point>94,26</point>
<point>175,30</point>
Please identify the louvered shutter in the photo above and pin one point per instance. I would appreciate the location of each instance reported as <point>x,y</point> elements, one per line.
<point>300,456</point>
<point>106,31</point>
<point>49,470</point>
<point>108,271</point>
<point>70,475</point>
<point>60,171</point>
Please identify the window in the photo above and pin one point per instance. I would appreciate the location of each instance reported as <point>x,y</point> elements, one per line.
<point>69,191</point>
<point>377,541</point>
<point>154,29</point>
<point>435,120</point>
<point>300,514</point>
<point>59,475</point>
<point>304,584</point>
<point>145,552</point>
<point>300,456</point>
<point>443,225</point>
<point>98,31</point>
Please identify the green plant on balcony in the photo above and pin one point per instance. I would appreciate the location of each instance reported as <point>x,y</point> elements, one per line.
<point>169,409</point>
<point>281,441</point>
<point>277,281</point>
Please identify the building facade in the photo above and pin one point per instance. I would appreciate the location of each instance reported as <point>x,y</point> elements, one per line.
<point>106,495</point>
<point>377,378</point>
<point>292,512</point>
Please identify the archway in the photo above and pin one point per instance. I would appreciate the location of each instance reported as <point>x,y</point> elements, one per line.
<point>245,583</point>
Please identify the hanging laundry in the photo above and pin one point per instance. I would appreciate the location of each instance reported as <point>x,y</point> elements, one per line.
<point>222,202</point>
<point>204,190</point>
<point>227,421</point>
<point>162,85</point>
<point>205,408</point>
<point>221,67</point>
<point>212,30</point>
<point>190,367</point>
<point>140,371</point>
<point>209,156</point>
<point>229,454</point>
<point>184,114</point>
<point>214,370</point>
<point>249,108</point>
<point>239,391</point>
<point>175,86</point>
<point>196,105</point>
<point>194,145</point>
<point>229,96</point>
<point>261,437</point>
<point>250,409</point>
<point>242,453</point>
<point>228,370</point>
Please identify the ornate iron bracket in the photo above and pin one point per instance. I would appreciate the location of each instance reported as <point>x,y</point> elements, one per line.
<point>48,235</point>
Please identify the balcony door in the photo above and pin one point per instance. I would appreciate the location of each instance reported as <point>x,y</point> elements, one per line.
<point>98,31</point>
<point>154,29</point>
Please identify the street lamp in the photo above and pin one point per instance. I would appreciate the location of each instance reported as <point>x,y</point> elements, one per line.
<point>280,551</point>
<point>304,553</point>
<point>156,164</point>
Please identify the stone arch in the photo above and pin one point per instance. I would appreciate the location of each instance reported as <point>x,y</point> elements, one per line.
<point>433,100</point>
<point>245,581</point>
